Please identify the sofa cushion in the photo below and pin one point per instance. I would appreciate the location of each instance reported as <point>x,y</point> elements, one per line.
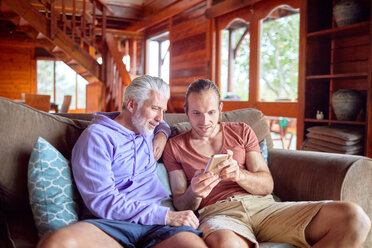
<point>331,139</point>
<point>20,128</point>
<point>53,195</point>
<point>344,133</point>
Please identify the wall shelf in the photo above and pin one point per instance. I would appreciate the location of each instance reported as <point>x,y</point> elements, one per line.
<point>339,76</point>
<point>360,123</point>
<point>360,28</point>
<point>335,58</point>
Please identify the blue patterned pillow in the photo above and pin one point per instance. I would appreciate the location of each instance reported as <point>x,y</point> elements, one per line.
<point>263,149</point>
<point>51,190</point>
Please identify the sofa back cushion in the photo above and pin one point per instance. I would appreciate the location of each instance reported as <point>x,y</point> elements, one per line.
<point>20,127</point>
<point>253,117</point>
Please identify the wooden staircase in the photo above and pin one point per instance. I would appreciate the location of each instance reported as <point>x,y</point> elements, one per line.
<point>73,39</point>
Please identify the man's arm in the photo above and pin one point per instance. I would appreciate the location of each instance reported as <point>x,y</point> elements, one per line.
<point>161,135</point>
<point>256,179</point>
<point>190,197</point>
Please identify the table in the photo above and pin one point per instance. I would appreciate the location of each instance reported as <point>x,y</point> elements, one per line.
<point>53,105</point>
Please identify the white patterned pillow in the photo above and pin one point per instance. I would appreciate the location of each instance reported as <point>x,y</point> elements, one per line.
<point>51,190</point>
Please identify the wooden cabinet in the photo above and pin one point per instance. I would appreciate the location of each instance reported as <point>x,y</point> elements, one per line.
<point>335,58</point>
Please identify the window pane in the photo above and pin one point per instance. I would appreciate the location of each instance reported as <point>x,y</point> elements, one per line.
<point>279,55</point>
<point>153,62</point>
<point>235,43</point>
<point>165,65</point>
<point>81,89</point>
<point>65,83</point>
<point>45,77</point>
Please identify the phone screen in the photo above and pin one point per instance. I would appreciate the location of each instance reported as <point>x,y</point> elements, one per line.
<point>213,161</point>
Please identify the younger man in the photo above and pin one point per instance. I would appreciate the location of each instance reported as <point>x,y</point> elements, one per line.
<point>236,208</point>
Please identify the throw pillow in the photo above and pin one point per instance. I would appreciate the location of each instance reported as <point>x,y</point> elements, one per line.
<point>52,193</point>
<point>163,177</point>
<point>263,150</point>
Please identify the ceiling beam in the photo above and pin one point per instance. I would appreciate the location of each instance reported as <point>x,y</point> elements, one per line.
<point>228,6</point>
<point>163,15</point>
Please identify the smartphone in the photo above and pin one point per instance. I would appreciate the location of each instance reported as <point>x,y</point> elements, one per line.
<point>214,161</point>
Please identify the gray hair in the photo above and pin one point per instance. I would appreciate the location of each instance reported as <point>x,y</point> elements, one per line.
<point>139,89</point>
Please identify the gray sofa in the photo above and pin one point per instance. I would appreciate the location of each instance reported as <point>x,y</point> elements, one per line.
<point>298,175</point>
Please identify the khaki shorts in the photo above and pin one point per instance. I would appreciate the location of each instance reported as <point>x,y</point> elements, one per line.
<point>260,218</point>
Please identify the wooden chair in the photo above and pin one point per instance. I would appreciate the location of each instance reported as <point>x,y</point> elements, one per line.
<point>65,104</point>
<point>40,102</point>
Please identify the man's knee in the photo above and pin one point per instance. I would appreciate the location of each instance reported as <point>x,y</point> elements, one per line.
<point>356,220</point>
<point>227,240</point>
<point>57,239</point>
<point>182,239</point>
<point>349,220</point>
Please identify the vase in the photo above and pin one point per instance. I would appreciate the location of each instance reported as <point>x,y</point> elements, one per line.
<point>349,12</point>
<point>347,104</point>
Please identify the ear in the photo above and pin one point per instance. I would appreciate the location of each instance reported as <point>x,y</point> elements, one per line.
<point>221,105</point>
<point>131,105</point>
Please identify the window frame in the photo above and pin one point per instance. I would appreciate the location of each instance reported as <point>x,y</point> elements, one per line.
<point>254,15</point>
<point>160,38</point>
<point>76,109</point>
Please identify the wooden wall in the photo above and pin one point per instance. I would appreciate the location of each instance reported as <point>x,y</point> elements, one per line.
<point>189,60</point>
<point>17,68</point>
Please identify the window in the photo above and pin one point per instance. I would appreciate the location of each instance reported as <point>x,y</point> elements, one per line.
<point>158,56</point>
<point>279,55</point>
<point>234,75</point>
<point>56,79</point>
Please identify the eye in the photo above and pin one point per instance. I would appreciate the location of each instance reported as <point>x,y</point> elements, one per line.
<point>195,113</point>
<point>212,112</point>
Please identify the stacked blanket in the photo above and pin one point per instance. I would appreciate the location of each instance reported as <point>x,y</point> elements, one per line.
<point>335,139</point>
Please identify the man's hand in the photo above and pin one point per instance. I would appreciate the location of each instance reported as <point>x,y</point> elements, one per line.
<point>182,218</point>
<point>202,184</point>
<point>158,143</point>
<point>230,169</point>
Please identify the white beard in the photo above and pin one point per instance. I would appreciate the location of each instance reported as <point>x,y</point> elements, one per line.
<point>140,124</point>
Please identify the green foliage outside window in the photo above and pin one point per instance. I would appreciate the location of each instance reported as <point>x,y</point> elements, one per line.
<point>279,59</point>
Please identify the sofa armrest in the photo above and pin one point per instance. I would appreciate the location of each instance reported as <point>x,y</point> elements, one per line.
<point>312,176</point>
<point>305,175</point>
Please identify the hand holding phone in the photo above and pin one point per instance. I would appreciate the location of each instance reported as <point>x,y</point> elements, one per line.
<point>214,161</point>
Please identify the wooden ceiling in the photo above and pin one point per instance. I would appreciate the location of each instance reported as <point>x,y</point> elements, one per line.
<point>133,15</point>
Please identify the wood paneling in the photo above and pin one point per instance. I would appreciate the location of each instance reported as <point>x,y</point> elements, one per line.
<point>188,60</point>
<point>18,69</point>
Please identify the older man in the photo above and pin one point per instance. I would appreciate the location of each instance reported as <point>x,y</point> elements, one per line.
<point>236,207</point>
<point>115,171</point>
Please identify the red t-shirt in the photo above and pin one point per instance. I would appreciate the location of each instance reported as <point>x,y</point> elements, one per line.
<point>179,154</point>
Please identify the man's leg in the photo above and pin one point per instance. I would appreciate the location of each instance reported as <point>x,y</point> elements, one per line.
<point>182,240</point>
<point>80,234</point>
<point>228,239</point>
<point>338,224</point>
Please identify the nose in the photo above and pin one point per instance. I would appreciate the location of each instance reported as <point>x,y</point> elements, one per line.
<point>159,116</point>
<point>205,118</point>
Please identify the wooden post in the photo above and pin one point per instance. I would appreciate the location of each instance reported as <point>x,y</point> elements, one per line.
<point>53,20</point>
<point>93,34</point>
<point>230,62</point>
<point>83,24</point>
<point>64,20</point>
<point>73,19</point>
